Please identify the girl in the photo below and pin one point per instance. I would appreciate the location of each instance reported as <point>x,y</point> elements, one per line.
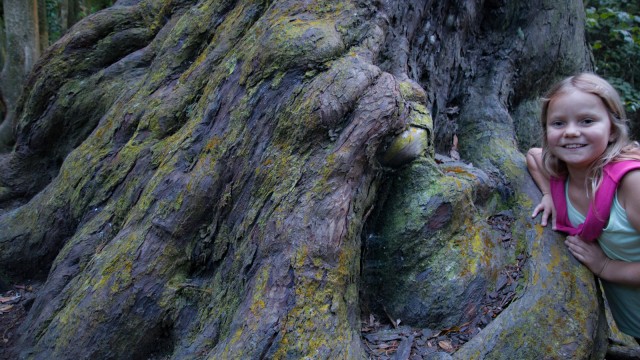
<point>586,154</point>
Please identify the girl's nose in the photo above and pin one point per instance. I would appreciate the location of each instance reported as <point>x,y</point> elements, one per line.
<point>571,131</point>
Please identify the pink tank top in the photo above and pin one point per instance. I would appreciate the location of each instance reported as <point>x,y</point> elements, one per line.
<point>598,213</point>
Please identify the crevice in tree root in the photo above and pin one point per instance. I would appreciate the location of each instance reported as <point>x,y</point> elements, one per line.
<point>383,342</point>
<point>270,346</point>
<point>617,352</point>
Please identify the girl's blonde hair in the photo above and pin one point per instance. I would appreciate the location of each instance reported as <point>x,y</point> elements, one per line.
<point>621,148</point>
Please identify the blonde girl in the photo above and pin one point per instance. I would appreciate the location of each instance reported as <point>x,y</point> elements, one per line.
<point>585,148</point>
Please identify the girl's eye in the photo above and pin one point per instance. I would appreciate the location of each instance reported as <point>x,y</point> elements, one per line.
<point>587,121</point>
<point>556,124</point>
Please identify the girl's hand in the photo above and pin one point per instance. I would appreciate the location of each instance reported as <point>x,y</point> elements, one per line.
<point>541,178</point>
<point>588,253</point>
<point>592,256</point>
<point>548,210</point>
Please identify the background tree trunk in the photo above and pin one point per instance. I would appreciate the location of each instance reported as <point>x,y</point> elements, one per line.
<point>73,12</point>
<point>205,168</point>
<point>22,50</point>
<point>3,57</point>
<point>64,15</point>
<point>43,27</point>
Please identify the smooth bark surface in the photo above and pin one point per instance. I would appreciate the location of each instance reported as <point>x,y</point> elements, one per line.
<point>191,179</point>
<point>43,27</point>
<point>22,49</point>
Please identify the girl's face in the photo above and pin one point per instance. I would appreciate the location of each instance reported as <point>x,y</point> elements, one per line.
<point>578,128</point>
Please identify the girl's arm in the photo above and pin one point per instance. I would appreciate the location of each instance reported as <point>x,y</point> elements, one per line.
<point>629,197</point>
<point>622,272</point>
<point>541,178</point>
<point>591,255</point>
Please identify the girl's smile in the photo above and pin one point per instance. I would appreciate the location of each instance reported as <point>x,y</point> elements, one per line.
<point>578,128</point>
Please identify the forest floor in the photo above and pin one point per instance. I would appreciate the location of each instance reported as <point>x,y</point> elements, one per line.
<point>14,305</point>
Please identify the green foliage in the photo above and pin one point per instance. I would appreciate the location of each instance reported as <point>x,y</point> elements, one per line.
<point>53,20</point>
<point>88,7</point>
<point>613,30</point>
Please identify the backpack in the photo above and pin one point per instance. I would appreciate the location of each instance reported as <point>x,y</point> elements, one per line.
<point>599,210</point>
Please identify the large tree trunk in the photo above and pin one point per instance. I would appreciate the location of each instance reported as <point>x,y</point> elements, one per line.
<point>191,178</point>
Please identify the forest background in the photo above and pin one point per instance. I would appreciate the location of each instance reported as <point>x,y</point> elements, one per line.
<point>27,28</point>
<point>613,32</point>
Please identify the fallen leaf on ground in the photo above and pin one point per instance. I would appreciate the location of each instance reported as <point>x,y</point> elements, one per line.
<point>446,345</point>
<point>450,330</point>
<point>6,299</point>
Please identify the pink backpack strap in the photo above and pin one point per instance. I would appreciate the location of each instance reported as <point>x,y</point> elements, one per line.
<point>598,213</point>
<point>557,187</point>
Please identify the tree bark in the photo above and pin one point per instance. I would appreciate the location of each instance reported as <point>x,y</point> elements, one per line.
<point>73,12</point>
<point>205,168</point>
<point>3,58</point>
<point>64,15</point>
<point>22,50</point>
<point>43,27</point>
